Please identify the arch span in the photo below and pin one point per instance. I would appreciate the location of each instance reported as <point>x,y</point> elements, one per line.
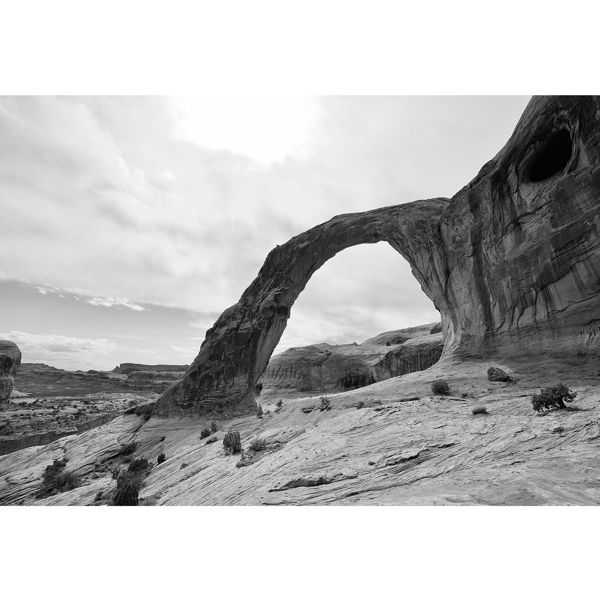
<point>238,347</point>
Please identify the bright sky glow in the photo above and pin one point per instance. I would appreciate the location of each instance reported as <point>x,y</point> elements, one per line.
<point>266,129</point>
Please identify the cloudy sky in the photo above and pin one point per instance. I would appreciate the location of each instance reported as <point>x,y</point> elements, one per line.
<point>130,223</point>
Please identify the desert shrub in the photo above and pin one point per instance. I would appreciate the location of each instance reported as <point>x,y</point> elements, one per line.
<point>56,479</point>
<point>139,465</point>
<point>259,411</point>
<point>232,442</point>
<point>479,410</point>
<point>128,448</point>
<point>213,427</point>
<point>98,496</point>
<point>128,488</point>
<point>279,404</point>
<point>325,403</point>
<point>553,397</point>
<point>258,444</point>
<point>205,433</point>
<point>211,440</point>
<point>360,404</point>
<point>440,387</point>
<point>258,389</point>
<point>161,458</point>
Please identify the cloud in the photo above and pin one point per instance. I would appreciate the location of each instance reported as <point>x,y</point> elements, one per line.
<point>108,198</point>
<point>59,350</point>
<point>111,302</point>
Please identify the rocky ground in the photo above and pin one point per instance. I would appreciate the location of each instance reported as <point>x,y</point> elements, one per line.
<point>49,403</point>
<point>392,442</point>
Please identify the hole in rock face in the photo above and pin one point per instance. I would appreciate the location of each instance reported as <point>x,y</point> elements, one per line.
<point>551,157</point>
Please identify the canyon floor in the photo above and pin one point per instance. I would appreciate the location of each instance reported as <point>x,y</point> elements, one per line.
<point>390,443</point>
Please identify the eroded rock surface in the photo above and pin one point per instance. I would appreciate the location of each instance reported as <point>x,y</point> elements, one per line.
<point>512,262</point>
<point>10,359</point>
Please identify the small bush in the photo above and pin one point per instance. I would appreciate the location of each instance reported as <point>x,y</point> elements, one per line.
<point>259,411</point>
<point>258,444</point>
<point>161,458</point>
<point>145,410</point>
<point>279,404</point>
<point>232,442</point>
<point>360,404</point>
<point>128,488</point>
<point>205,433</point>
<point>213,427</point>
<point>325,403</point>
<point>139,465</point>
<point>211,441</point>
<point>98,496</point>
<point>128,448</point>
<point>479,410</point>
<point>553,397</point>
<point>56,479</point>
<point>440,387</point>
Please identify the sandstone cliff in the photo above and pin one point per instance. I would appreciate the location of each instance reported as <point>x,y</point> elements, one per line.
<point>323,368</point>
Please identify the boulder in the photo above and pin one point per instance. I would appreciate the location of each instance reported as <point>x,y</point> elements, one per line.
<point>512,262</point>
<point>497,374</point>
<point>10,359</point>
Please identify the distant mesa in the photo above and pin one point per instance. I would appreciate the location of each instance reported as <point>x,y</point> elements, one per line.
<point>511,261</point>
<point>10,359</point>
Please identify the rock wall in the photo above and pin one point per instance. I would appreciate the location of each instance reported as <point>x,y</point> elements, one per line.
<point>512,261</point>
<point>10,359</point>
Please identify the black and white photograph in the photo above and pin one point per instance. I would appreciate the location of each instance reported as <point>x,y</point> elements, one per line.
<point>263,299</point>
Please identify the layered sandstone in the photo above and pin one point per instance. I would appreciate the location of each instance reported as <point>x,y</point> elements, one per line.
<point>512,261</point>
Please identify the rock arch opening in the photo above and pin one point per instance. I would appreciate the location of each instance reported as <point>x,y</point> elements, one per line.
<point>350,327</point>
<point>550,157</point>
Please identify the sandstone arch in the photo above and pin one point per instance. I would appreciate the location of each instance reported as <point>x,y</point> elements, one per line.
<point>512,261</point>
<point>238,347</point>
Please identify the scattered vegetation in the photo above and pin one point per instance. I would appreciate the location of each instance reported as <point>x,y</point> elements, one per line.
<point>161,458</point>
<point>145,410</point>
<point>232,442</point>
<point>553,397</point>
<point>279,404</point>
<point>211,441</point>
<point>128,488</point>
<point>258,444</point>
<point>205,433</point>
<point>440,387</point>
<point>56,479</point>
<point>355,379</point>
<point>259,411</point>
<point>360,404</point>
<point>128,449</point>
<point>213,427</point>
<point>479,410</point>
<point>139,465</point>
<point>325,403</point>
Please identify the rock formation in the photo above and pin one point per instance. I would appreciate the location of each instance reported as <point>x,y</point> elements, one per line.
<point>323,368</point>
<point>10,359</point>
<point>512,261</point>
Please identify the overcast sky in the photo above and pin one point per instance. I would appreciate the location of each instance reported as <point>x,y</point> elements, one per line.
<point>130,223</point>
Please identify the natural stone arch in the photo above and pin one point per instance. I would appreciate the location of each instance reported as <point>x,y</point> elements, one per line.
<point>238,347</point>
<point>512,261</point>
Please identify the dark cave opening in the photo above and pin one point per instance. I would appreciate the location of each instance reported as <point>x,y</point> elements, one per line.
<point>551,157</point>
